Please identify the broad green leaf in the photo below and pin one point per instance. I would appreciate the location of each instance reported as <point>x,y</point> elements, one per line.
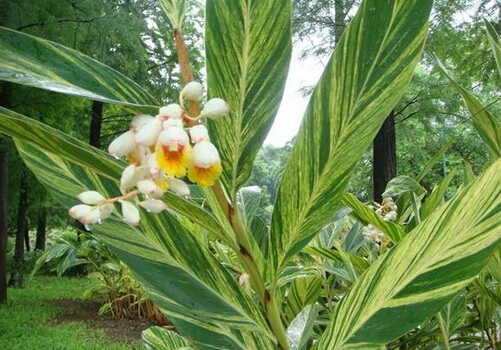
<point>248,48</point>
<point>366,76</point>
<point>179,274</point>
<point>434,160</point>
<point>469,175</point>
<point>302,292</point>
<point>454,314</point>
<point>486,124</point>
<point>436,198</point>
<point>40,135</point>
<point>366,215</point>
<point>299,331</point>
<point>175,10</point>
<point>422,273</point>
<point>402,184</point>
<point>158,338</point>
<point>495,42</point>
<point>28,60</point>
<point>359,263</point>
<point>248,201</point>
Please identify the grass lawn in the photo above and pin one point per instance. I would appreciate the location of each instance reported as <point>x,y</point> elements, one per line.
<point>35,319</point>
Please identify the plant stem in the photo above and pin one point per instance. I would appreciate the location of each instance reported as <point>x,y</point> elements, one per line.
<point>244,248</point>
<point>245,254</point>
<point>184,63</point>
<point>445,336</point>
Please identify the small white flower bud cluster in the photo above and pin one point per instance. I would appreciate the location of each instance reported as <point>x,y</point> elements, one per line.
<point>372,234</point>
<point>388,209</point>
<point>159,151</point>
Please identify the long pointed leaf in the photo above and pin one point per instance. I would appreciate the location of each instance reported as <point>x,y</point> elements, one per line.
<point>422,273</point>
<point>248,46</point>
<point>28,60</point>
<point>368,72</point>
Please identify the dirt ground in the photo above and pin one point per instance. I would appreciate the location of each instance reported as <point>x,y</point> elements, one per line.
<point>124,331</point>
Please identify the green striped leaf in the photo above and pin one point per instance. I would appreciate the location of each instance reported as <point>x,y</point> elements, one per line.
<point>28,60</point>
<point>402,184</point>
<point>422,273</point>
<point>300,329</point>
<point>366,76</point>
<point>486,124</point>
<point>366,215</point>
<point>248,48</point>
<point>437,196</point>
<point>180,275</point>
<point>175,10</point>
<point>158,338</point>
<point>495,42</point>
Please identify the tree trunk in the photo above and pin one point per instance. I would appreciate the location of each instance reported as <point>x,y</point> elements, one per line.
<point>339,22</point>
<point>384,166</point>
<point>95,124</point>
<point>3,218</point>
<point>41,229</point>
<point>5,101</point>
<point>27,237</point>
<point>16,278</point>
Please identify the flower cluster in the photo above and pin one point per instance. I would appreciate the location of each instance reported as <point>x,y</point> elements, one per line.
<point>161,150</point>
<point>388,209</point>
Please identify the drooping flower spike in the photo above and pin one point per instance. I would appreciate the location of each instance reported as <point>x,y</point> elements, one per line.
<point>160,152</point>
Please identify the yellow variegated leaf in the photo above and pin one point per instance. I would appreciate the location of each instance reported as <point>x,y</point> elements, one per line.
<point>248,45</point>
<point>366,76</point>
<point>422,273</point>
<point>28,60</point>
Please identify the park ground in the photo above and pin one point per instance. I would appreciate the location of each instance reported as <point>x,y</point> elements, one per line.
<point>52,313</point>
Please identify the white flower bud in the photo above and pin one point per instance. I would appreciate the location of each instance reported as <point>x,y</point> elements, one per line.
<point>130,213</point>
<point>92,217</point>
<point>172,122</point>
<point>179,187</point>
<point>122,145</point>
<point>91,197</point>
<point>173,111</point>
<point>205,155</point>
<point>391,216</point>
<point>106,210</point>
<point>129,177</point>
<point>139,121</point>
<point>147,135</point>
<point>147,187</point>
<point>153,165</point>
<point>193,91</point>
<point>173,137</point>
<point>215,108</point>
<point>79,210</point>
<point>199,133</point>
<point>153,205</point>
<point>158,194</point>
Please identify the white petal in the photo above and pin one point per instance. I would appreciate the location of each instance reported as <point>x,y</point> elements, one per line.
<point>139,121</point>
<point>171,111</point>
<point>153,205</point>
<point>215,108</point>
<point>129,177</point>
<point>205,155</point>
<point>173,136</point>
<point>79,210</point>
<point>179,187</point>
<point>92,217</point>
<point>106,210</point>
<point>193,91</point>
<point>130,213</point>
<point>147,136</point>
<point>172,122</point>
<point>158,194</point>
<point>153,165</point>
<point>91,197</point>
<point>147,187</point>
<point>122,145</point>
<point>199,133</point>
